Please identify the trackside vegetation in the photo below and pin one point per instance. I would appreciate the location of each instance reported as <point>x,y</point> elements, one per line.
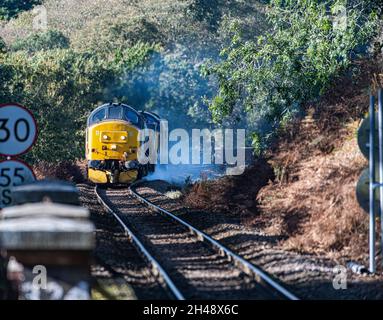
<point>269,78</point>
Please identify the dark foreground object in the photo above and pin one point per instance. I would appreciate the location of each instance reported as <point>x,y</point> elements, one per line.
<point>48,246</point>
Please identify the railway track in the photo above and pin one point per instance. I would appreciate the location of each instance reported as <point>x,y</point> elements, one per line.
<point>188,263</point>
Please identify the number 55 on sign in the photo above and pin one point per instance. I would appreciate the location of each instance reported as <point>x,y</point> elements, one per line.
<point>12,174</point>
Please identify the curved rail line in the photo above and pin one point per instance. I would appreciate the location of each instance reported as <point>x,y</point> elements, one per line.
<point>246,266</point>
<point>157,270</point>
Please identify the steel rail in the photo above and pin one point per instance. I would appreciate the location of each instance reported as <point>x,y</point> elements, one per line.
<point>157,269</point>
<point>249,268</point>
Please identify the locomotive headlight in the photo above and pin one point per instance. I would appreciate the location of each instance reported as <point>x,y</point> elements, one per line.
<point>105,137</point>
<point>123,138</point>
<point>113,147</point>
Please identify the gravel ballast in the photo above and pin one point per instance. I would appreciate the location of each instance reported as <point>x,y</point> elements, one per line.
<point>308,276</point>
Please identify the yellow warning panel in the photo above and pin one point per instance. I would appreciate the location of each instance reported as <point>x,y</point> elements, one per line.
<point>97,176</point>
<point>128,176</point>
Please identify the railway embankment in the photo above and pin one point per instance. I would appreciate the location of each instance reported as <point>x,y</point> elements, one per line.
<point>300,199</point>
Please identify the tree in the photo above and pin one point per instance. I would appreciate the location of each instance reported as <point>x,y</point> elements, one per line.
<point>269,78</point>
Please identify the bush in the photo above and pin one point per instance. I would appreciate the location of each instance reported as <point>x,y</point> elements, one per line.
<point>272,76</point>
<point>11,8</point>
<point>3,46</point>
<point>51,39</point>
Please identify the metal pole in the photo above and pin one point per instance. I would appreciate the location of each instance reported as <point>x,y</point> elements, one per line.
<point>372,184</point>
<point>380,108</point>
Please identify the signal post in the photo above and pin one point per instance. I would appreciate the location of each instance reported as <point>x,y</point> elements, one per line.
<point>369,190</point>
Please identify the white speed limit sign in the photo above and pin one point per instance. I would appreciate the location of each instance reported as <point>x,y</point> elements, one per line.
<point>18,130</point>
<point>12,174</point>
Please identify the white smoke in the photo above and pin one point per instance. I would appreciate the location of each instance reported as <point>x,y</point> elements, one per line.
<point>181,174</point>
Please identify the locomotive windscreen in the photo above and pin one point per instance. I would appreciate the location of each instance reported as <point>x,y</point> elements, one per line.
<point>115,112</point>
<point>99,116</point>
<point>131,116</point>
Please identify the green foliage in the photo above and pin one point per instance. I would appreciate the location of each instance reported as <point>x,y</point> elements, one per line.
<point>256,142</point>
<point>273,75</point>
<point>60,87</point>
<point>3,46</point>
<point>51,39</point>
<point>105,36</point>
<point>11,8</point>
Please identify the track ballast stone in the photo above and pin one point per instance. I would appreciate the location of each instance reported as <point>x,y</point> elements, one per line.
<point>117,262</point>
<point>197,270</point>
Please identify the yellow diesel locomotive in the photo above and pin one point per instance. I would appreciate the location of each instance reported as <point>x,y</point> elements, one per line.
<point>113,144</point>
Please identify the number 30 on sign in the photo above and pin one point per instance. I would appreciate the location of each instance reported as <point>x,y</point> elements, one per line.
<point>18,130</point>
<point>12,174</point>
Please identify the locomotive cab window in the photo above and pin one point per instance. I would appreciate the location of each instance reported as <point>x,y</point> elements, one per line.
<point>151,121</point>
<point>115,112</point>
<point>99,116</point>
<point>131,116</point>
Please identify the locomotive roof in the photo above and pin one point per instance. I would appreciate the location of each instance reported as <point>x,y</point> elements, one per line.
<point>107,105</point>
